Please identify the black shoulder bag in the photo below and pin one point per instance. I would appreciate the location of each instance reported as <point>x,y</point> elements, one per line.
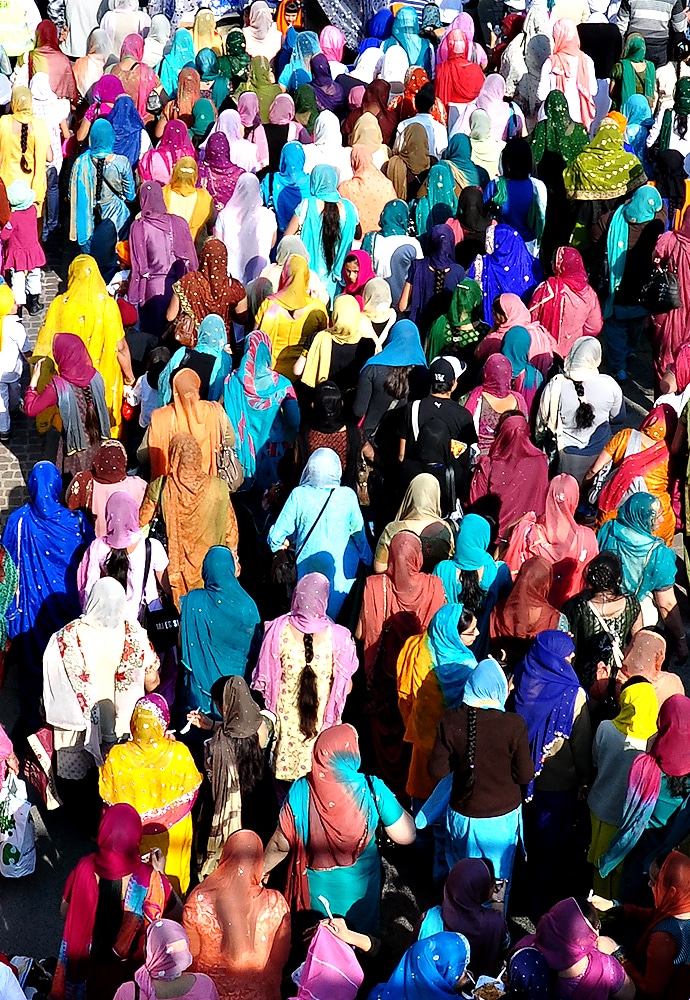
<point>284,565</point>
<point>162,624</point>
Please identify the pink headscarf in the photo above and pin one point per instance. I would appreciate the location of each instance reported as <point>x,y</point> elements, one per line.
<point>475,53</point>
<point>566,45</point>
<point>332,42</point>
<point>355,97</point>
<point>133,47</point>
<point>331,970</point>
<point>248,109</point>
<point>542,344</point>
<point>121,521</point>
<point>308,615</point>
<point>167,956</point>
<point>282,110</point>
<point>175,140</point>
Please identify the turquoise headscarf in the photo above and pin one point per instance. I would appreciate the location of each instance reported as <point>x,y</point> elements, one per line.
<point>208,68</point>
<point>298,70</point>
<point>83,183</point>
<point>459,153</point>
<point>180,56</point>
<point>212,340</point>
<point>204,116</point>
<point>486,686</point>
<point>440,202</point>
<point>471,553</point>
<point>394,218</point>
<point>648,564</point>
<point>323,183</point>
<point>405,33</point>
<point>640,120</point>
<point>453,661</point>
<point>516,345</point>
<point>642,207</point>
<point>101,139</point>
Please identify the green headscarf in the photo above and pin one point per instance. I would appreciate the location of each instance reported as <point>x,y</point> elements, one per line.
<point>558,133</point>
<point>603,169</point>
<point>306,111</point>
<point>642,207</point>
<point>394,218</point>
<point>458,155</point>
<point>204,115</point>
<point>635,51</point>
<point>440,202</point>
<point>235,62</point>
<point>259,81</point>
<point>462,325</point>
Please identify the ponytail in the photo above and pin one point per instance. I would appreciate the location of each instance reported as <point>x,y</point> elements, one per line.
<point>308,698</point>
<point>91,421</point>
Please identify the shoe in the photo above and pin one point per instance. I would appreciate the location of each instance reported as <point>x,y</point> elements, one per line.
<point>622,375</point>
<point>4,438</point>
<point>33,305</point>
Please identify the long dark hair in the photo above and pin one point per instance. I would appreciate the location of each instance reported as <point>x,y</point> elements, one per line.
<point>330,231</point>
<point>308,699</point>
<point>91,422</point>
<point>117,566</point>
<point>470,752</point>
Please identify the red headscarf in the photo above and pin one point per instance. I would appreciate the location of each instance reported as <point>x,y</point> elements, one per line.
<point>566,45</point>
<point>568,270</point>
<point>72,359</point>
<point>133,48</point>
<point>671,893</point>
<point>457,79</point>
<point>117,856</point>
<point>527,612</point>
<point>682,367</point>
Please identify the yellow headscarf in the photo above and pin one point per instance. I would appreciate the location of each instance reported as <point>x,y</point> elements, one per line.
<point>22,105</point>
<point>184,176</point>
<point>349,325</point>
<point>87,310</point>
<point>294,280</point>
<point>6,305</point>
<point>639,710</point>
<point>204,33</point>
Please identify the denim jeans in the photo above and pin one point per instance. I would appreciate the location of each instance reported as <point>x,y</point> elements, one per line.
<point>623,330</point>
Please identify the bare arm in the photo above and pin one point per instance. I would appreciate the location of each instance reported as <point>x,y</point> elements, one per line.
<point>292,226</point>
<point>598,465</point>
<point>125,360</point>
<point>173,310</point>
<point>276,851</point>
<point>404,303</point>
<point>403,831</point>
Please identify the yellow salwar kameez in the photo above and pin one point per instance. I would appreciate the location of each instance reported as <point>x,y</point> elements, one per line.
<point>87,310</point>
<point>157,776</point>
<point>291,316</point>
<point>656,481</point>
<point>184,198</point>
<point>37,147</point>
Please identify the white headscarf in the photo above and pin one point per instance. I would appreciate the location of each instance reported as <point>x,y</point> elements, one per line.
<point>584,358</point>
<point>368,65</point>
<point>105,607</point>
<point>395,64</point>
<point>327,147</point>
<point>157,40</point>
<point>52,110</point>
<point>242,151</point>
<point>245,214</point>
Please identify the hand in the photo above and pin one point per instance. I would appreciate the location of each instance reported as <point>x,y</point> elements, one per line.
<point>601,904</point>
<point>198,719</point>
<point>63,34</point>
<point>158,860</point>
<point>13,764</point>
<point>286,544</point>
<point>339,928</point>
<point>36,374</point>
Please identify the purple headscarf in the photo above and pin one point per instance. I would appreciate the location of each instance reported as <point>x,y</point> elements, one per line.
<point>121,520</point>
<point>441,245</point>
<point>218,174</point>
<point>242,152</point>
<point>329,95</point>
<point>309,603</point>
<point>468,887</point>
<point>153,208</point>
<point>159,705</point>
<point>282,110</point>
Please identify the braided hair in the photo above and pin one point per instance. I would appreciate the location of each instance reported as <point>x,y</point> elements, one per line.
<point>584,415</point>
<point>330,231</point>
<point>470,752</point>
<point>24,142</point>
<point>91,422</point>
<point>308,699</point>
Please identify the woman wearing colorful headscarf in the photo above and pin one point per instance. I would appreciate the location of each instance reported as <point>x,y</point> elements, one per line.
<point>181,107</point>
<point>86,309</point>
<point>624,317</point>
<point>262,36</point>
<point>480,758</point>
<point>432,670</point>
<point>640,460</point>
<point>210,290</point>
<point>527,379</point>
<point>338,353</point>
<point>289,185</point>
<point>512,479</point>
<point>519,198</point>
<point>239,931</point>
<point>556,536</point>
<point>397,604</point>
<point>548,696</point>
<point>493,397</point>
<point>162,250</point>
<point>263,407</point>
<point>90,491</point>
<point>429,970</point>
<point>47,58</point>
<point>101,185</point>
<point>566,304</point>
<point>640,120</point>
<point>24,146</point>
<point>458,80</point>
<point>89,68</point>
<point>617,744</point>
<point>122,19</point>
<point>291,315</point>
<point>261,83</point>
<point>327,825</point>
<point>405,32</point>
<point>155,774</point>
<point>138,79</point>
<point>218,174</point>
<point>338,540</point>
<point>183,198</point>
<point>432,280</point>
<point>634,74</point>
<point>210,358</point>
<point>234,63</point>
<point>505,267</point>
<point>214,86</point>
<point>218,625</point>
<point>167,958</point>
<point>673,251</point>
<point>526,612</point>
<point>180,58</point>
<point>117,858</point>
<point>246,213</point>
<point>420,513</point>
<point>569,70</point>
<point>388,236</point>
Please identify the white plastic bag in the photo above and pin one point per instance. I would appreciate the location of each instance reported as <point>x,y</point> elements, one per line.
<point>17,834</point>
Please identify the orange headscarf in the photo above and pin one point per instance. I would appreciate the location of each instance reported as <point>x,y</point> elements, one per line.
<point>281,20</point>
<point>186,414</point>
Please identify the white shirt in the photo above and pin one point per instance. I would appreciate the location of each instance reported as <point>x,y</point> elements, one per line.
<point>14,344</point>
<point>437,134</point>
<point>97,553</point>
<point>571,93</point>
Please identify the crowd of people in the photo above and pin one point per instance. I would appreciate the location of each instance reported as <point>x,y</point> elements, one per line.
<point>343,548</point>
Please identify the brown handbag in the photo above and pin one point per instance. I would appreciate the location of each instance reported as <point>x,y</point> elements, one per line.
<point>185,331</point>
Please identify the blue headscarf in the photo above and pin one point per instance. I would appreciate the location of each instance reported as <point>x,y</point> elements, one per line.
<point>642,207</point>
<point>647,563</point>
<point>516,345</point>
<point>429,970</point>
<point>402,347</point>
<point>212,340</point>
<point>546,687</point>
<point>323,186</point>
<point>128,126</point>
<point>209,70</point>
<point>290,185</point>
<point>323,470</point>
<point>529,976</point>
<point>45,542</point>
<point>453,661</point>
<point>380,28</point>
<point>405,32</point>
<point>507,267</point>
<point>471,553</point>
<point>323,183</point>
<point>486,686</point>
<point>253,397</point>
<point>640,120</point>
<point>181,55</point>
<point>298,70</point>
<point>217,626</point>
